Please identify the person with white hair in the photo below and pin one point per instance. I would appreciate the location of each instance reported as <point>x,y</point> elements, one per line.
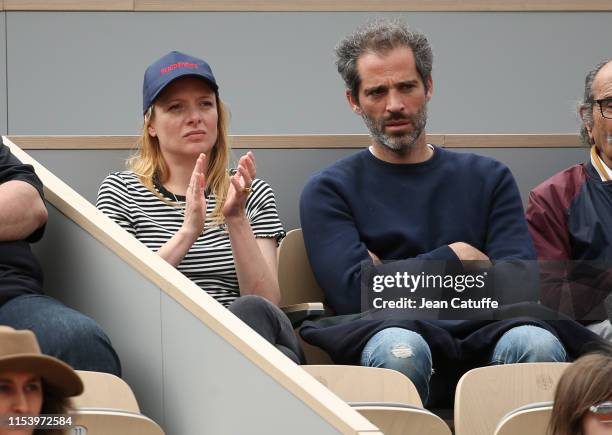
<point>570,217</point>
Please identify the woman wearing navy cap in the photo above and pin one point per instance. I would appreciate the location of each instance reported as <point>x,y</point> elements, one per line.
<point>219,229</point>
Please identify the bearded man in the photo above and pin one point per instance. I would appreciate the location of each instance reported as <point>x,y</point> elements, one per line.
<point>408,201</point>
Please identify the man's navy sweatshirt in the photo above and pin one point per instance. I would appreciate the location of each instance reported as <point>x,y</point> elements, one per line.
<point>406,212</point>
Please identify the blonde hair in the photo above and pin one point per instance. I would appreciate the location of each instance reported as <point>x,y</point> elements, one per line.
<point>148,162</point>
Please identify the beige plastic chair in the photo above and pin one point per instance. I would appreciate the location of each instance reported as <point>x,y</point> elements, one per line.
<point>295,278</point>
<point>486,394</point>
<point>366,384</point>
<point>385,397</point>
<point>313,354</point>
<point>527,420</point>
<point>301,296</point>
<point>103,390</point>
<point>403,419</point>
<point>108,421</point>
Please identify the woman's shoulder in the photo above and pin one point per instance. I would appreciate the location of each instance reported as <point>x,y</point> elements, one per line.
<point>261,189</point>
<point>124,177</point>
<point>124,183</point>
<point>259,184</point>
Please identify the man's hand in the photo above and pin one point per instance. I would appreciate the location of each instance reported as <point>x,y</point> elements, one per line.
<point>467,253</point>
<point>374,258</point>
<point>22,210</point>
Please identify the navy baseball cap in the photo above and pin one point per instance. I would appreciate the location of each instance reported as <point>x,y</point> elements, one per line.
<point>170,67</point>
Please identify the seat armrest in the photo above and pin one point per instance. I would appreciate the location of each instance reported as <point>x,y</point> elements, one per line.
<point>297,313</point>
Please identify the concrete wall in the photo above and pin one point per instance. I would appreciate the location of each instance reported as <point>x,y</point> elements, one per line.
<point>494,72</point>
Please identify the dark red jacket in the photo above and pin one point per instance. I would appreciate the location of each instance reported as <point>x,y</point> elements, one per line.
<point>570,220</point>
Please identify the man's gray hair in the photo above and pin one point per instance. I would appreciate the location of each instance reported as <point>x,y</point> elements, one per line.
<point>586,105</point>
<point>380,36</point>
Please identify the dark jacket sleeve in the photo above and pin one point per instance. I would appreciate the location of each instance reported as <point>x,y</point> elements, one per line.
<point>547,221</point>
<point>12,169</point>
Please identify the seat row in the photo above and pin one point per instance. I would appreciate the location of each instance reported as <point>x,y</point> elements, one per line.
<point>497,400</point>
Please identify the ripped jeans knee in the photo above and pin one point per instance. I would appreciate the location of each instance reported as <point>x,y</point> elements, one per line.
<point>402,350</point>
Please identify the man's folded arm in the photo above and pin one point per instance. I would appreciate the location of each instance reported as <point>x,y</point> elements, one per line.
<point>336,251</point>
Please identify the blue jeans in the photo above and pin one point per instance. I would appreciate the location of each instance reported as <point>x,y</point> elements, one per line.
<point>402,350</point>
<point>62,332</point>
<point>407,352</point>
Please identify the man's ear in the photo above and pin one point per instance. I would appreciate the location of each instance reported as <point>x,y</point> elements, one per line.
<point>586,125</point>
<point>352,103</point>
<point>429,82</point>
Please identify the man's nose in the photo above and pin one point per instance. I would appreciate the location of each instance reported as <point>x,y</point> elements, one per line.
<point>395,102</point>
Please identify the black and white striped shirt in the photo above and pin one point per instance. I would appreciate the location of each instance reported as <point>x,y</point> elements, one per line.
<point>209,263</point>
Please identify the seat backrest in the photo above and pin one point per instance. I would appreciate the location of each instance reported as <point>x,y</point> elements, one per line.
<point>531,420</point>
<point>295,278</point>
<point>103,390</point>
<point>366,384</point>
<point>486,394</point>
<point>108,421</point>
<point>399,420</point>
<point>313,354</point>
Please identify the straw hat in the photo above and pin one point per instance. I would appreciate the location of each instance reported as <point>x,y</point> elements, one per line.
<point>19,352</point>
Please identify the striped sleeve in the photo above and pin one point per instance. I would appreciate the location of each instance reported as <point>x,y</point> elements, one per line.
<point>115,201</point>
<point>262,212</point>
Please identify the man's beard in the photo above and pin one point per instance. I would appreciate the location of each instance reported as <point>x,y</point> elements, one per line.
<point>399,144</point>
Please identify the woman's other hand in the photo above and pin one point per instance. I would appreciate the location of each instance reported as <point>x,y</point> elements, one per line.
<point>240,187</point>
<point>195,201</point>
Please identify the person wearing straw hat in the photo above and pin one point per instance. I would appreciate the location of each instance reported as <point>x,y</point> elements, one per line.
<point>32,383</point>
<point>219,228</point>
<point>61,331</point>
<point>570,216</point>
